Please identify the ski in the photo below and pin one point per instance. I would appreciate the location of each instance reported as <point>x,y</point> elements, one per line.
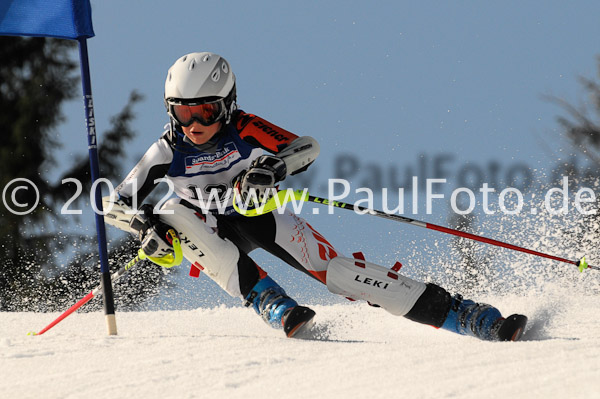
<point>299,320</point>
<point>512,328</point>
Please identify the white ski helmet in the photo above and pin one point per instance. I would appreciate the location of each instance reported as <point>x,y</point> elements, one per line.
<point>201,87</point>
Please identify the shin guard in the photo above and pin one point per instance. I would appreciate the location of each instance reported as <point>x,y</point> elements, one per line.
<point>357,279</point>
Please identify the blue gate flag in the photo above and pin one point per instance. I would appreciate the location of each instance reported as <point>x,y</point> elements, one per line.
<point>65,19</point>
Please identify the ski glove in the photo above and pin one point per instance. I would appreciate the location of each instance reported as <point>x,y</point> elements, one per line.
<point>152,233</point>
<point>258,182</point>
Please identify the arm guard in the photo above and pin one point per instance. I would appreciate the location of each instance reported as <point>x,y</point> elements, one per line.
<point>299,154</point>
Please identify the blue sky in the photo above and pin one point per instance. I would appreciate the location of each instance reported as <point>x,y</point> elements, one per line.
<point>387,82</point>
<point>394,85</point>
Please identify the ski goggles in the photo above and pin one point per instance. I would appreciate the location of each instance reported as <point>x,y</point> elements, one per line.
<point>206,114</point>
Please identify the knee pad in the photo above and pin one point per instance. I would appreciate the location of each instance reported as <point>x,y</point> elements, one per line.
<point>373,283</point>
<point>218,258</point>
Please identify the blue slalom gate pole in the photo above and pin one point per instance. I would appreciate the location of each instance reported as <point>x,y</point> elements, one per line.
<point>68,19</point>
<point>90,121</point>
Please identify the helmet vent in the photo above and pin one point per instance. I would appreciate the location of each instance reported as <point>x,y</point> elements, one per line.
<point>192,64</point>
<point>184,58</point>
<point>206,58</point>
<point>224,67</point>
<point>216,75</point>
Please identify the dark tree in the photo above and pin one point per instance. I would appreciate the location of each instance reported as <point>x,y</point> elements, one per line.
<point>474,270</point>
<point>582,126</point>
<point>43,263</point>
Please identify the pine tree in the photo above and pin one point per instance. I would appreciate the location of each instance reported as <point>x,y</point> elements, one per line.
<point>474,270</point>
<point>42,267</point>
<point>581,126</point>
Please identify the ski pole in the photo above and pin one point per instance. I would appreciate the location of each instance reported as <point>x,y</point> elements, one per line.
<point>167,261</point>
<point>284,196</point>
<point>581,264</point>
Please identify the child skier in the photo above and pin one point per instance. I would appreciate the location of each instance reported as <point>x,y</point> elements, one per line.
<point>212,146</point>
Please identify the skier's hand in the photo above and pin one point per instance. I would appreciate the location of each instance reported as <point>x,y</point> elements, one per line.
<point>152,233</point>
<point>258,181</point>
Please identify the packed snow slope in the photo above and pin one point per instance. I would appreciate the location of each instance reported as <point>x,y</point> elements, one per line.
<point>355,351</point>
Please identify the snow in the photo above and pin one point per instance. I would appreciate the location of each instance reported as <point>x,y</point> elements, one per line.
<point>356,351</point>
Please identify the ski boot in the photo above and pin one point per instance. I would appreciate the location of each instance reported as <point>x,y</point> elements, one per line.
<point>277,309</point>
<point>483,321</point>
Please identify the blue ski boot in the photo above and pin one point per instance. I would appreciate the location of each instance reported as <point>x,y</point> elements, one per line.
<point>483,321</point>
<point>277,309</point>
